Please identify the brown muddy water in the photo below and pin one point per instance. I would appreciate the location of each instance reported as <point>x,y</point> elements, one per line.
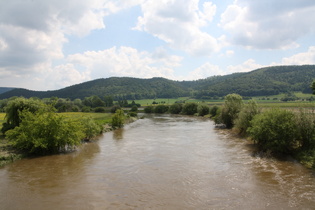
<point>160,162</point>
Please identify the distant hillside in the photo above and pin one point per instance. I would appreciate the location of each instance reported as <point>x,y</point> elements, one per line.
<point>5,89</point>
<point>260,82</point>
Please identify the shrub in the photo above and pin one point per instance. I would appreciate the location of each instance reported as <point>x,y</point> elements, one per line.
<point>45,133</point>
<point>118,119</point>
<point>213,111</point>
<point>149,109</point>
<point>161,109</point>
<point>176,108</point>
<point>242,123</point>
<point>203,109</point>
<point>190,108</point>
<point>115,108</point>
<point>232,106</point>
<point>16,106</point>
<point>134,108</point>
<point>274,130</point>
<point>100,109</point>
<point>305,124</point>
<point>132,114</point>
<point>91,128</point>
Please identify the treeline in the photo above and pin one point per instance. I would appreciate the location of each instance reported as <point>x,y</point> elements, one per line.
<point>261,82</point>
<point>275,131</point>
<point>88,104</point>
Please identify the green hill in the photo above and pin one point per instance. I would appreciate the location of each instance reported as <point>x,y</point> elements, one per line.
<point>260,82</point>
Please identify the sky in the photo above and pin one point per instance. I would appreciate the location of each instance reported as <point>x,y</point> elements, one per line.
<point>48,45</point>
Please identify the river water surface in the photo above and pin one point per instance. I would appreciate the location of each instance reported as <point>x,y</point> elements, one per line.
<point>160,162</point>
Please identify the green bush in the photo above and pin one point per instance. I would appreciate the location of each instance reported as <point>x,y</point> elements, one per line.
<point>161,109</point>
<point>118,119</point>
<point>242,123</point>
<point>203,109</point>
<point>274,130</point>
<point>132,114</point>
<point>176,108</point>
<point>232,106</point>
<point>16,106</point>
<point>45,133</point>
<point>190,108</point>
<point>99,109</point>
<point>149,109</point>
<point>213,111</point>
<point>305,124</point>
<point>91,128</point>
<point>134,108</point>
<point>115,108</point>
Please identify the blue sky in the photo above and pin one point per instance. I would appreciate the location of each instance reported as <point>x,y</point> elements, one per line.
<point>47,45</point>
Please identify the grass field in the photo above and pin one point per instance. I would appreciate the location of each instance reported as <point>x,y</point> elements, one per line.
<point>102,118</point>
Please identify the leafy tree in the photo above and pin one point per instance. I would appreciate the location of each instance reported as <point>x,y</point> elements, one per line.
<point>109,101</point>
<point>232,106</point>
<point>248,112</point>
<point>213,111</point>
<point>91,128</point>
<point>99,109</point>
<point>149,109</point>
<point>190,108</point>
<point>160,109</point>
<point>118,119</point>
<point>115,108</point>
<point>305,124</point>
<point>176,108</point>
<point>134,108</point>
<point>203,109</point>
<point>16,106</point>
<point>274,130</point>
<point>45,133</point>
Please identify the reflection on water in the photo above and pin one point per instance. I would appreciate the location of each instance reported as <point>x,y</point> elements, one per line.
<point>160,162</point>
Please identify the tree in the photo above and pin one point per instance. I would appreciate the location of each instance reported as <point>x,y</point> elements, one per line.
<point>16,106</point>
<point>232,106</point>
<point>248,112</point>
<point>190,108</point>
<point>108,101</point>
<point>203,109</point>
<point>45,132</point>
<point>176,108</point>
<point>91,128</point>
<point>274,130</point>
<point>118,119</point>
<point>161,108</point>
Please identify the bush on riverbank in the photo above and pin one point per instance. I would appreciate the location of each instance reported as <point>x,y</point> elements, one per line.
<point>45,133</point>
<point>275,130</point>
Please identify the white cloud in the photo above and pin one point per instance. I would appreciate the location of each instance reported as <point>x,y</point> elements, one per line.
<point>178,23</point>
<point>268,24</point>
<point>204,71</point>
<point>126,61</point>
<point>301,58</point>
<point>248,65</point>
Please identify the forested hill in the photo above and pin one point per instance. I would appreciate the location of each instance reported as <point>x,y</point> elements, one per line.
<point>260,82</point>
<point>5,89</point>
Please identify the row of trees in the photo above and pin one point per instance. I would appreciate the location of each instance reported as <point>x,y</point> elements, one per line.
<point>275,130</point>
<point>190,108</point>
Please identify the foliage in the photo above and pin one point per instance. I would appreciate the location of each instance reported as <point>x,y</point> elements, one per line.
<point>118,119</point>
<point>161,109</point>
<point>305,124</point>
<point>242,123</point>
<point>149,109</point>
<point>203,109</point>
<point>45,133</point>
<point>16,106</point>
<point>134,108</point>
<point>99,109</point>
<point>232,106</point>
<point>115,108</point>
<point>176,108</point>
<point>91,128</point>
<point>274,130</point>
<point>190,108</point>
<point>132,114</point>
<point>213,111</point>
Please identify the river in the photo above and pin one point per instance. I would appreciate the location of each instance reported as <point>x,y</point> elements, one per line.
<point>159,162</point>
